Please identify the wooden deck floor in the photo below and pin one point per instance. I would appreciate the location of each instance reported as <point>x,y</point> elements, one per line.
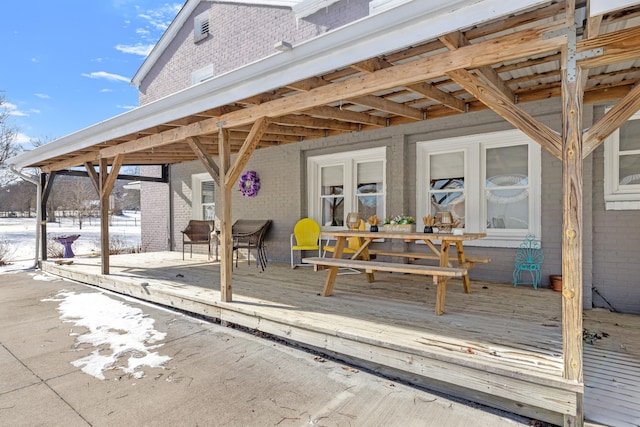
<point>499,345</point>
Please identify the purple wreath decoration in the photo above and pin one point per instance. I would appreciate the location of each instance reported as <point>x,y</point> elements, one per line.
<point>249,184</point>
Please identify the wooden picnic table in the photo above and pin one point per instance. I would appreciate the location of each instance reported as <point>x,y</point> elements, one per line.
<point>441,273</point>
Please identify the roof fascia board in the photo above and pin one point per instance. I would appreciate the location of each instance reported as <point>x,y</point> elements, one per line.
<point>309,7</point>
<point>402,26</point>
<point>600,7</point>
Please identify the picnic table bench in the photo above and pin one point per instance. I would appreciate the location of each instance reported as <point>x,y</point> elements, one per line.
<point>440,273</point>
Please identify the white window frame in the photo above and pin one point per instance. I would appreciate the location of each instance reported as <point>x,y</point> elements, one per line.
<point>474,148</point>
<point>196,193</point>
<point>201,27</point>
<point>348,161</point>
<point>618,196</point>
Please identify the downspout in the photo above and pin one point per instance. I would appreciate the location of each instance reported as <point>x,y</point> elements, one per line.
<point>38,208</point>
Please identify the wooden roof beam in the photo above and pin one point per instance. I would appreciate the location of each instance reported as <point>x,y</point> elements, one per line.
<point>505,107</point>
<point>425,89</point>
<point>249,146</point>
<point>619,46</point>
<point>202,127</point>
<point>70,162</point>
<point>612,120</point>
<point>528,42</point>
<point>314,122</point>
<point>457,40</point>
<point>388,106</point>
<point>286,130</point>
<point>346,115</point>
<point>199,149</point>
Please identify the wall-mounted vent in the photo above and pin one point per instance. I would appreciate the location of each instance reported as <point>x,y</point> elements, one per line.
<point>201,27</point>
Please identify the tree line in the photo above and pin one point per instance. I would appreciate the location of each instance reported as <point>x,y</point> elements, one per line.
<point>69,193</point>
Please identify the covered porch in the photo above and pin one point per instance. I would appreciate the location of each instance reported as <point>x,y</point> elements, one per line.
<point>493,347</point>
<point>499,345</point>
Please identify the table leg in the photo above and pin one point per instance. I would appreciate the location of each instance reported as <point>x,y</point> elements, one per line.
<point>441,289</point>
<point>333,271</point>
<point>364,252</point>
<point>462,260</point>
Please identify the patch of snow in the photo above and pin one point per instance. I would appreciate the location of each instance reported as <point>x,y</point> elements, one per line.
<point>20,234</point>
<point>123,336</point>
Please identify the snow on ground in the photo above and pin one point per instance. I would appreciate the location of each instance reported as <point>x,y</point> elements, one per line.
<point>122,336</point>
<point>19,233</point>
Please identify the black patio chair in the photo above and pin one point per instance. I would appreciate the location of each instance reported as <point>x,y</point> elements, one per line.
<point>249,234</point>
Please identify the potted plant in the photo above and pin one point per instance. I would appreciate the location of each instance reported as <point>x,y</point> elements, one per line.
<point>399,223</point>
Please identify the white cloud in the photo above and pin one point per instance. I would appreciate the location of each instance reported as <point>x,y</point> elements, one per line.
<point>160,18</point>
<point>22,138</point>
<point>106,76</point>
<point>105,90</point>
<point>127,107</point>
<point>43,96</point>
<point>138,49</point>
<point>13,110</point>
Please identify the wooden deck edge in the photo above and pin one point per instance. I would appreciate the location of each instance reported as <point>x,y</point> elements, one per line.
<point>496,387</point>
<point>538,401</point>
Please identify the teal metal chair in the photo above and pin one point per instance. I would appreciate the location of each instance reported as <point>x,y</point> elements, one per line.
<point>529,258</point>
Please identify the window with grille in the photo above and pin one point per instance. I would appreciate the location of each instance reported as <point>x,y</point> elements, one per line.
<point>346,182</point>
<point>489,182</point>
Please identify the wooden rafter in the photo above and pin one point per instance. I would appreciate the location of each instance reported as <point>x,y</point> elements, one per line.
<point>612,120</point>
<point>455,41</point>
<point>379,103</point>
<point>505,107</point>
<point>522,44</point>
<point>199,149</point>
<point>425,89</point>
<point>249,146</point>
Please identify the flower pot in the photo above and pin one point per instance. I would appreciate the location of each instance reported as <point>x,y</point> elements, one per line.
<point>556,282</point>
<point>373,228</point>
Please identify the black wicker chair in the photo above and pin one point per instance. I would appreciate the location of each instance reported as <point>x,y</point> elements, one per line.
<point>249,234</point>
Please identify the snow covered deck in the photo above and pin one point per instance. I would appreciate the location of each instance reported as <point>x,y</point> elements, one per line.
<point>499,345</point>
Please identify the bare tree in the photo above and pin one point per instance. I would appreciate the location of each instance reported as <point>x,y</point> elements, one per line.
<point>8,133</point>
<point>78,195</point>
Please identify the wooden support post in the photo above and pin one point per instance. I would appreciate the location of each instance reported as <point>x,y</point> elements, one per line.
<point>572,185</point>
<point>104,218</point>
<point>226,244</point>
<point>45,184</point>
<point>107,181</point>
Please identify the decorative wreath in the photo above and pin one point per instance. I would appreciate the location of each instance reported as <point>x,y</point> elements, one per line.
<point>249,184</point>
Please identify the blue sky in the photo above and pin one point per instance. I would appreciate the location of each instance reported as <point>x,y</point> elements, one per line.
<point>68,64</point>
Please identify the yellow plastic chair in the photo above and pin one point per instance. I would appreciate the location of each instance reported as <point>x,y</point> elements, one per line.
<point>307,238</point>
<point>353,244</point>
